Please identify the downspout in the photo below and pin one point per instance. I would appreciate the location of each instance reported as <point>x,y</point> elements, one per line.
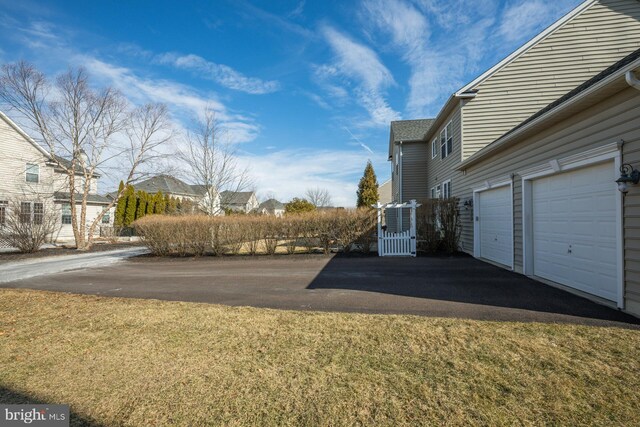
<point>632,80</point>
<point>400,176</point>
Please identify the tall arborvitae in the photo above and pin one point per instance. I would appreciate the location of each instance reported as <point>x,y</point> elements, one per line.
<point>151,201</point>
<point>121,207</point>
<point>159,206</point>
<point>132,205</point>
<point>142,204</point>
<point>367,187</point>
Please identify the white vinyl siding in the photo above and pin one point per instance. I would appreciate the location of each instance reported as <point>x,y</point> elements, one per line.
<point>602,34</point>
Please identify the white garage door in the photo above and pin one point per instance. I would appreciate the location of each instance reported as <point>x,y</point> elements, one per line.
<point>574,229</point>
<point>495,227</point>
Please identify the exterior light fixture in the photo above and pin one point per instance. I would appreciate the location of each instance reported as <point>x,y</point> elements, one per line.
<point>628,175</point>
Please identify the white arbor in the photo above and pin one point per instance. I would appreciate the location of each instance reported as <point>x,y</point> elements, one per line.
<point>401,243</point>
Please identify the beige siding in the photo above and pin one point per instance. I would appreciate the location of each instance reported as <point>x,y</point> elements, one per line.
<point>384,193</point>
<point>590,42</point>
<point>414,171</point>
<point>440,170</point>
<point>611,120</point>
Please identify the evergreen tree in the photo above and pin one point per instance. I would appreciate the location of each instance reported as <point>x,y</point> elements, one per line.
<point>121,207</point>
<point>151,201</point>
<point>142,204</point>
<point>167,204</point>
<point>367,187</point>
<point>297,205</point>
<point>159,206</point>
<point>132,204</point>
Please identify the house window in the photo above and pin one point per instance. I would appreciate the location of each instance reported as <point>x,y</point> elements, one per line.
<point>66,213</point>
<point>25,212</point>
<point>33,173</point>
<point>106,218</point>
<point>3,212</point>
<point>446,140</point>
<point>434,148</point>
<point>446,189</point>
<point>38,213</point>
<point>435,192</point>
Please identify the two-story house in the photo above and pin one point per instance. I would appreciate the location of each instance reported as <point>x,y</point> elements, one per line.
<point>206,199</point>
<point>239,201</point>
<point>32,180</point>
<point>548,206</point>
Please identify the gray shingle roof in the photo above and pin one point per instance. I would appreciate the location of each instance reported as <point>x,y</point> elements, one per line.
<point>410,130</point>
<point>271,205</point>
<point>236,197</point>
<point>166,184</point>
<point>61,196</point>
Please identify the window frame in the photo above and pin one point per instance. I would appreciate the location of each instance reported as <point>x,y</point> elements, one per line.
<point>29,172</point>
<point>446,140</point>
<point>446,184</point>
<point>434,148</point>
<point>4,205</point>
<point>106,218</point>
<point>65,218</point>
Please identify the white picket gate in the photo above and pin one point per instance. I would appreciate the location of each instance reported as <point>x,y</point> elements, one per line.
<point>397,243</point>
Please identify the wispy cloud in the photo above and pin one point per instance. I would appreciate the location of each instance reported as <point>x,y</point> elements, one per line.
<point>358,141</point>
<point>521,19</point>
<point>414,30</point>
<point>221,74</point>
<point>360,66</point>
<point>289,173</point>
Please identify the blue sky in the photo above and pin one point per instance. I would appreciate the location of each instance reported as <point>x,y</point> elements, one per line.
<point>306,89</point>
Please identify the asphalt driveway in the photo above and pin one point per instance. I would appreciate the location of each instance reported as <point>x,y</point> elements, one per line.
<point>460,287</point>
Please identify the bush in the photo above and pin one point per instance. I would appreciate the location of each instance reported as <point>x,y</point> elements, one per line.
<point>28,227</point>
<point>199,234</point>
<point>438,225</point>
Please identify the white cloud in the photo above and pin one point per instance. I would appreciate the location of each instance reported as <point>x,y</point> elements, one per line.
<point>178,97</point>
<point>521,20</point>
<point>359,65</point>
<point>289,173</point>
<point>222,74</point>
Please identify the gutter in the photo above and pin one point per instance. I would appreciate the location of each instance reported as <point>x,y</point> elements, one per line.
<point>632,80</point>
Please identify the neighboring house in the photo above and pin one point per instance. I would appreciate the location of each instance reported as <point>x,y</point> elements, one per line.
<point>532,148</point>
<point>207,201</point>
<point>31,178</point>
<point>384,192</point>
<point>271,207</point>
<point>239,201</point>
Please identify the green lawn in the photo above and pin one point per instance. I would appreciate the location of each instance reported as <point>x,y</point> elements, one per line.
<point>142,362</point>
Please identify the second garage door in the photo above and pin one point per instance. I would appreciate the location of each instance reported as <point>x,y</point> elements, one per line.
<point>574,229</point>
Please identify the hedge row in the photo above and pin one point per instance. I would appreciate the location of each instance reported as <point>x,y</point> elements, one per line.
<point>346,230</point>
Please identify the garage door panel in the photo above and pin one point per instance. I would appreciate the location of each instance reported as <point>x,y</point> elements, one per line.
<point>574,229</point>
<point>495,225</point>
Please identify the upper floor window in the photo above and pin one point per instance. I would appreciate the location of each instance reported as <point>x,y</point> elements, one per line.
<point>33,173</point>
<point>66,213</point>
<point>446,140</point>
<point>434,148</point>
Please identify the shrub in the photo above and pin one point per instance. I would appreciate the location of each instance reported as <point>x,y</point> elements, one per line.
<point>200,234</point>
<point>438,225</point>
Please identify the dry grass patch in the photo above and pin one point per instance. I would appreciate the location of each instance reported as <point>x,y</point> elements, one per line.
<point>142,362</point>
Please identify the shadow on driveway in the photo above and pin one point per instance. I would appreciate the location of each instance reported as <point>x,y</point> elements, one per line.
<point>459,279</point>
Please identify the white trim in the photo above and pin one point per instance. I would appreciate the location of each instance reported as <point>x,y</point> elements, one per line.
<point>434,148</point>
<point>491,185</point>
<point>446,139</point>
<point>592,157</point>
<point>448,181</point>
<point>522,49</point>
<point>589,157</point>
<point>24,135</point>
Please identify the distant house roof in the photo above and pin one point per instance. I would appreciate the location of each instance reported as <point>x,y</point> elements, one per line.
<point>199,189</point>
<point>64,162</point>
<point>271,205</point>
<point>166,184</point>
<point>236,197</point>
<point>61,196</point>
<point>408,130</point>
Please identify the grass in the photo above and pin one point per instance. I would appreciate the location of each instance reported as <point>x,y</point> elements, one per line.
<point>144,362</point>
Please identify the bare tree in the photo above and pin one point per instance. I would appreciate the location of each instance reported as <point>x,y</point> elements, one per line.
<point>212,163</point>
<point>83,130</point>
<point>319,197</point>
<point>28,224</point>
